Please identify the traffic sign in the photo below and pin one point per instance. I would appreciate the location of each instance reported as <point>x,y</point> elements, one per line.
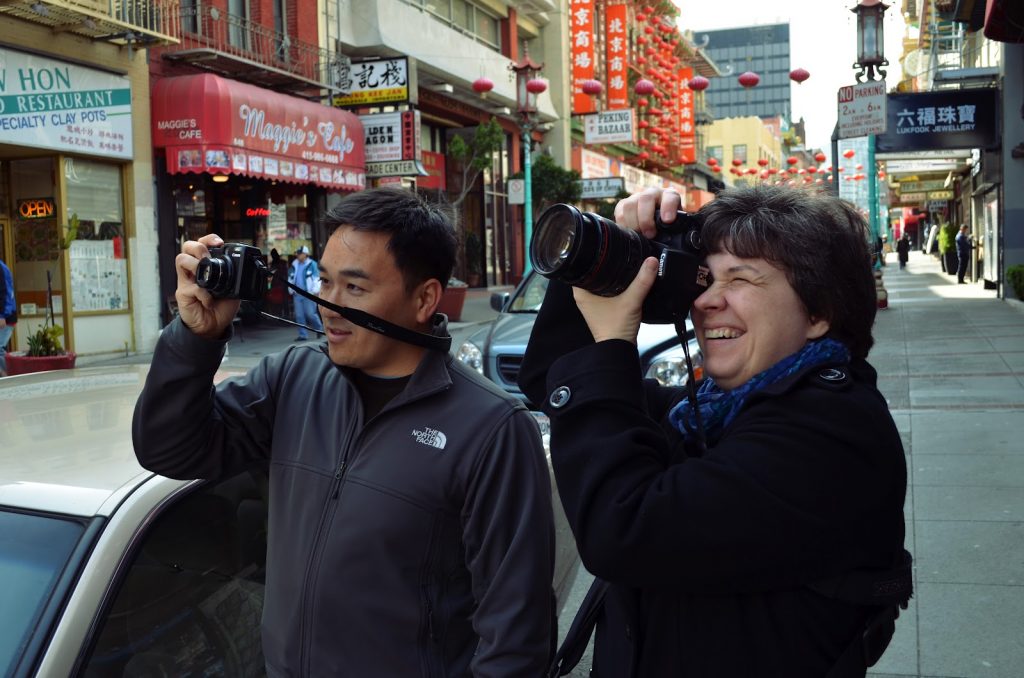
<point>862,109</point>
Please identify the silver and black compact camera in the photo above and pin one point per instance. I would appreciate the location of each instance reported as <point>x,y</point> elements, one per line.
<point>234,271</point>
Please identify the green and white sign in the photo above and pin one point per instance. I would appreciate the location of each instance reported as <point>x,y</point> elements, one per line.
<point>45,103</point>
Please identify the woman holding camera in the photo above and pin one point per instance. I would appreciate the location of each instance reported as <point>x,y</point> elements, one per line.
<point>727,529</point>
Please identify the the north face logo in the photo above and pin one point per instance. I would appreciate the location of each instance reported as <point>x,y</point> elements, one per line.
<point>430,436</point>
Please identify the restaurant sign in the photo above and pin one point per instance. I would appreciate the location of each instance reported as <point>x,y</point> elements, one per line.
<point>392,136</point>
<point>45,103</point>
<point>379,81</point>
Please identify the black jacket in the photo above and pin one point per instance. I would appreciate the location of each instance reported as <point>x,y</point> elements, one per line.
<point>710,556</point>
<point>419,543</point>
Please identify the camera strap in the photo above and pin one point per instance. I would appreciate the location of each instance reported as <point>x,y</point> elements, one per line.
<point>379,325</point>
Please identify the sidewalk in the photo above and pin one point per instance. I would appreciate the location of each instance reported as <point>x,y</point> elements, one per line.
<point>951,364</point>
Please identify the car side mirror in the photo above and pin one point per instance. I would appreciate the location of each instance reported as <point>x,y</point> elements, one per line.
<point>499,299</point>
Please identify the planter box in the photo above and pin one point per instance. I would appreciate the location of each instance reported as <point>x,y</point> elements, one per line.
<point>451,303</point>
<point>19,362</point>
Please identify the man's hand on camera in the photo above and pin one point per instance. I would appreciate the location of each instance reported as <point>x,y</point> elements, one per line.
<point>617,317</point>
<point>637,211</point>
<point>205,315</point>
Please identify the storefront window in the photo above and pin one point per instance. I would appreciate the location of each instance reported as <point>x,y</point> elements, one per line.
<point>36,247</point>
<point>99,264</point>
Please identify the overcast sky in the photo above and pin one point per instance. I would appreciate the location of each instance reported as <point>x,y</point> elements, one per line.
<point>823,40</point>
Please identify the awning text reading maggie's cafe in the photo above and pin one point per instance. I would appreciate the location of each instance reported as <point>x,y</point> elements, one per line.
<point>233,128</point>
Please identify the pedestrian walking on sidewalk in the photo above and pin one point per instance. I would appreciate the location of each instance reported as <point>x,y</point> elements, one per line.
<point>715,522</point>
<point>963,253</point>
<point>305,274</point>
<point>903,250</point>
<point>410,528</point>
<point>277,292</point>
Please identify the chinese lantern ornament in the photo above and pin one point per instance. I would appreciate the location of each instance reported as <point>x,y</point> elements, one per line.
<point>798,75</point>
<point>849,153</point>
<point>698,83</point>
<point>643,87</point>
<point>749,79</point>
<point>483,85</point>
<point>537,85</point>
<point>591,87</point>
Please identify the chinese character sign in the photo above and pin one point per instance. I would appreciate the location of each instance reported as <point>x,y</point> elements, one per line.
<point>617,56</point>
<point>377,81</point>
<point>686,129</point>
<point>582,53</point>
<point>944,119</point>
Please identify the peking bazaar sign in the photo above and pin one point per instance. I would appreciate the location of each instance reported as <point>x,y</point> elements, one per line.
<point>617,59</point>
<point>582,53</point>
<point>211,124</point>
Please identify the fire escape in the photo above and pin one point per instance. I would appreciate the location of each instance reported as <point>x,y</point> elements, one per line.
<point>952,51</point>
<point>130,23</point>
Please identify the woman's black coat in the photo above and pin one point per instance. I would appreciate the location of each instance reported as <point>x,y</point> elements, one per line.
<point>710,557</point>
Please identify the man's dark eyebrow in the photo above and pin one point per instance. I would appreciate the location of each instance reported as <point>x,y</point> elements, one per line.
<point>355,273</point>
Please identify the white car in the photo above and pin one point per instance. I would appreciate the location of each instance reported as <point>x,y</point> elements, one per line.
<point>110,570</point>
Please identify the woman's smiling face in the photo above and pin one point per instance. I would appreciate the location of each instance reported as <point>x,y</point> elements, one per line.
<point>749,319</point>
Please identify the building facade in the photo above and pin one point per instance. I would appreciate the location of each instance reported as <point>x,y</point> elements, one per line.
<point>76,192</point>
<point>763,50</point>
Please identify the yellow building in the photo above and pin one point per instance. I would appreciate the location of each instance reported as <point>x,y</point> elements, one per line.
<point>746,139</point>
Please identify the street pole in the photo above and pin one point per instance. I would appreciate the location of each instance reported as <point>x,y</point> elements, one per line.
<point>873,193</point>
<point>527,196</point>
<point>835,160</point>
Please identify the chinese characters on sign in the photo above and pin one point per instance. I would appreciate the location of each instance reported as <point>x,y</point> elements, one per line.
<point>941,120</point>
<point>617,61</point>
<point>378,81</point>
<point>581,45</point>
<point>686,133</point>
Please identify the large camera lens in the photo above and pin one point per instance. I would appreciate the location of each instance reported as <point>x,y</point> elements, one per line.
<point>586,250</point>
<point>214,274</point>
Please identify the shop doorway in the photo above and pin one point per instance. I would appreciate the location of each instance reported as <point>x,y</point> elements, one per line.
<point>6,248</point>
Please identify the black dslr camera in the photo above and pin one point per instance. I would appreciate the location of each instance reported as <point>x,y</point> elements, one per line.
<point>586,250</point>
<point>234,272</point>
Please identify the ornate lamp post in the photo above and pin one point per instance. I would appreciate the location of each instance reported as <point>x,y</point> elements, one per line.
<point>528,87</point>
<point>871,58</point>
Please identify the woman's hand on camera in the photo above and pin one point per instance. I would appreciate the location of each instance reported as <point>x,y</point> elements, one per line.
<point>637,211</point>
<point>618,317</point>
<point>201,312</point>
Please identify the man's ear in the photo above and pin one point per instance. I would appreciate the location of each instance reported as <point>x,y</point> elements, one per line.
<point>428,296</point>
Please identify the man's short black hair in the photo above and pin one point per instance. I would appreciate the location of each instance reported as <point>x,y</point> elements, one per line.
<point>421,235</point>
<point>818,240</point>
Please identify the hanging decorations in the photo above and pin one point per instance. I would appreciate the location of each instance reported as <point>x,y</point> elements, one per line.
<point>483,85</point>
<point>698,83</point>
<point>849,153</point>
<point>537,85</point>
<point>591,87</point>
<point>749,79</point>
<point>792,160</point>
<point>798,75</point>
<point>820,157</point>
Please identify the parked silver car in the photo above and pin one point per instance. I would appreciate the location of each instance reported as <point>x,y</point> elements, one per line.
<point>496,350</point>
<point>110,570</point>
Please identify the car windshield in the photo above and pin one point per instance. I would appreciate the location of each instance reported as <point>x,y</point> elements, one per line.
<point>530,295</point>
<point>33,552</point>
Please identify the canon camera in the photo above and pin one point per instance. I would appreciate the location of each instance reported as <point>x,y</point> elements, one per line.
<point>586,250</point>
<point>234,272</point>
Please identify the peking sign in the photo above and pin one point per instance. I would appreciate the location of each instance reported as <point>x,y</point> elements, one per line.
<point>45,103</point>
<point>609,127</point>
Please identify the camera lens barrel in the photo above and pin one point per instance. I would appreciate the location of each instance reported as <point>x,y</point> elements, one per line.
<point>214,273</point>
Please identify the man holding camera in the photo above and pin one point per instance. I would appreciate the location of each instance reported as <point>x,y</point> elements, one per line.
<point>410,528</point>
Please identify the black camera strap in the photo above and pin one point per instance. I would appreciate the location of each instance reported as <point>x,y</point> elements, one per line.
<point>379,325</point>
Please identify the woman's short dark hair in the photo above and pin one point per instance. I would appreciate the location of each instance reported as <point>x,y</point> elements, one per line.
<point>818,240</point>
<point>421,234</point>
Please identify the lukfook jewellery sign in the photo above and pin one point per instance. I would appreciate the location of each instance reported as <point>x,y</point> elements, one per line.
<point>45,103</point>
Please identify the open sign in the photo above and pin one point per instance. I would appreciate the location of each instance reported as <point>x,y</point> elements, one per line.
<point>36,208</point>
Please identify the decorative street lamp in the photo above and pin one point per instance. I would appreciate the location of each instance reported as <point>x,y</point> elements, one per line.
<point>528,87</point>
<point>870,39</point>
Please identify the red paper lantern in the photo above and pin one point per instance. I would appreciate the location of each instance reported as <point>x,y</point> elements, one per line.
<point>736,162</point>
<point>792,160</point>
<point>712,161</point>
<point>763,162</point>
<point>648,29</point>
<point>859,167</point>
<point>849,153</point>
<point>819,157</point>
<point>798,75</point>
<point>773,170</point>
<point>764,174</point>
<point>749,79</point>
<point>656,112</point>
<point>881,175</point>
<point>642,102</point>
<point>644,143</point>
<point>591,87</point>
<point>751,170</point>
<point>643,155</point>
<point>483,85</point>
<point>641,40</point>
<point>643,87</point>
<point>536,85</point>
<point>640,60</point>
<point>643,124</point>
<point>698,83</point>
<point>812,170</point>
<point>716,169</point>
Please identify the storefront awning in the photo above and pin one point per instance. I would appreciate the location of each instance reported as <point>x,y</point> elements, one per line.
<point>212,124</point>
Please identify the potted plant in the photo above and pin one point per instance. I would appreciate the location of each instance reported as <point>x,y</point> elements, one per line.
<point>45,352</point>
<point>1015,275</point>
<point>474,258</point>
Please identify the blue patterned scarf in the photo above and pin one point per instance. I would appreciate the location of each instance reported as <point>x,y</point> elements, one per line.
<point>718,408</point>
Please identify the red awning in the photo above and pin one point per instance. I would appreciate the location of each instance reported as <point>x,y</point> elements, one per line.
<point>212,124</point>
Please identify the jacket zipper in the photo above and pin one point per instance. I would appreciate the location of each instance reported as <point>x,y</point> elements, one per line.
<point>305,637</point>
